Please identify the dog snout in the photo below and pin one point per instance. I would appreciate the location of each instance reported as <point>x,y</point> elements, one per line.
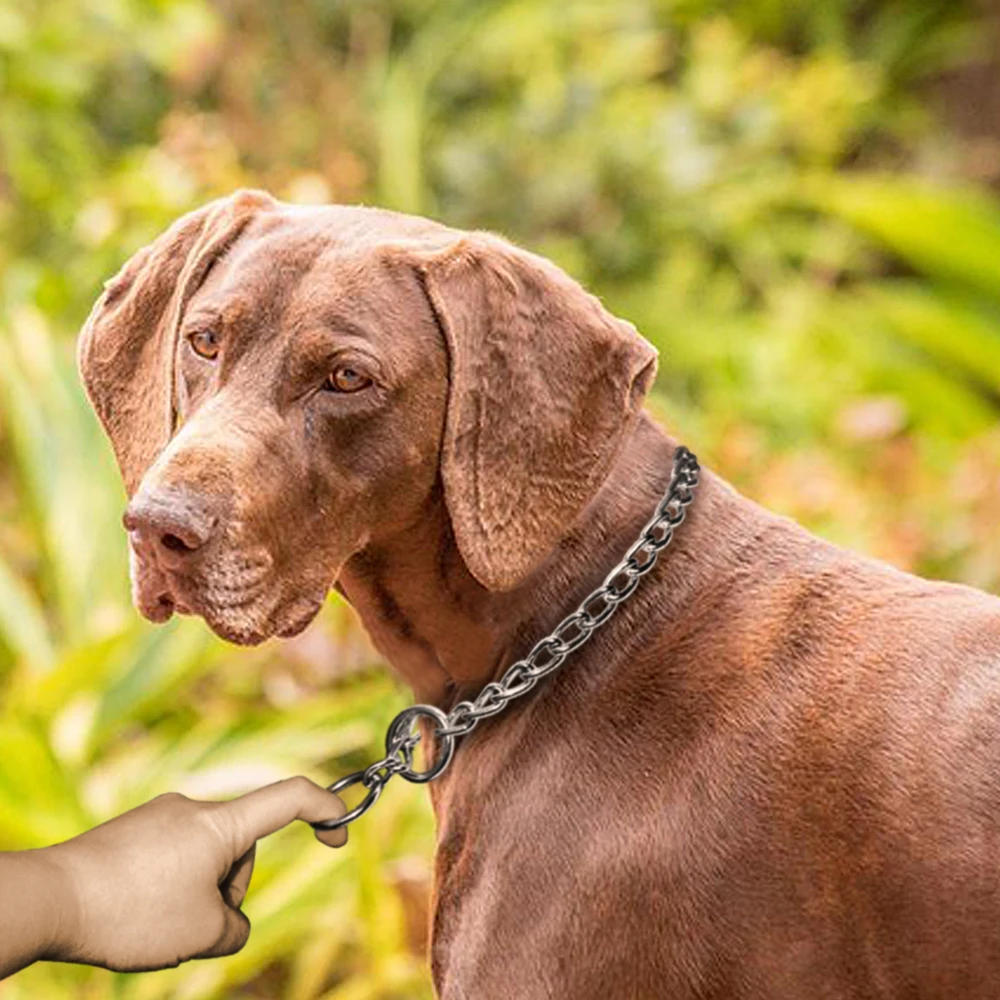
<point>171,523</point>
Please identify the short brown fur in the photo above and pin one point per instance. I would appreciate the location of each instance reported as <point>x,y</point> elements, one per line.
<point>773,774</point>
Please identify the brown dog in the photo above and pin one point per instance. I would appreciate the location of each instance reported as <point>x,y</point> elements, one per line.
<point>775,773</point>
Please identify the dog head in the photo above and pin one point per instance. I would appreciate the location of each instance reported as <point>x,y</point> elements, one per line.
<point>285,386</point>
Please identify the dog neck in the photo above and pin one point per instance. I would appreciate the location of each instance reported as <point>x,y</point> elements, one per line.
<point>447,635</point>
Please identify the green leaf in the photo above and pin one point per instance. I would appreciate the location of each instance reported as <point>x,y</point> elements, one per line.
<point>947,232</point>
<point>23,628</point>
<point>951,327</point>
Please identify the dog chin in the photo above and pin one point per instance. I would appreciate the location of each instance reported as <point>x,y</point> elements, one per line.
<point>245,625</point>
<point>284,623</point>
<point>298,616</point>
<point>239,631</point>
<point>236,633</point>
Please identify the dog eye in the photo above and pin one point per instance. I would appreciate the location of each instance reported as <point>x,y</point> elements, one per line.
<point>346,379</point>
<point>205,343</point>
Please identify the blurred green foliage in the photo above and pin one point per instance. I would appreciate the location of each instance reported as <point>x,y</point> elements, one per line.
<point>769,190</point>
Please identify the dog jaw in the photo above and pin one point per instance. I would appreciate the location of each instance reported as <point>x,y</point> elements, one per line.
<point>235,597</point>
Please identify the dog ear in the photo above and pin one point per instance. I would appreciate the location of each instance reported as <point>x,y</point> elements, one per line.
<point>126,349</point>
<point>543,385</point>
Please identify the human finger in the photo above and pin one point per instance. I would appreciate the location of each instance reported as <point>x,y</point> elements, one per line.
<point>261,812</point>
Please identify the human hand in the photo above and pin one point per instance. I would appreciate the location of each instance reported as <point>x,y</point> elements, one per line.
<point>163,883</point>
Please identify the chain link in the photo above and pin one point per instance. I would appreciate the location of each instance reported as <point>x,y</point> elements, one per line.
<point>545,657</point>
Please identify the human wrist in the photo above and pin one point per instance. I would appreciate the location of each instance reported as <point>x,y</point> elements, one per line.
<point>62,903</point>
<point>35,909</point>
<point>55,907</point>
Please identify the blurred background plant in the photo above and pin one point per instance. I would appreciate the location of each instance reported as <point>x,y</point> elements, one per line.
<point>794,200</point>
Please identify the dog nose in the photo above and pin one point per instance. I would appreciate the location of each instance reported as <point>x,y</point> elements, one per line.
<point>172,520</point>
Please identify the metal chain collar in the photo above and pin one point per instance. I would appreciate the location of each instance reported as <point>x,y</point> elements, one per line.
<point>547,656</point>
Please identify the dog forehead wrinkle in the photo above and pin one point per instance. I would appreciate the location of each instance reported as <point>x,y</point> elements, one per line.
<point>342,293</point>
<point>273,263</point>
<point>355,292</point>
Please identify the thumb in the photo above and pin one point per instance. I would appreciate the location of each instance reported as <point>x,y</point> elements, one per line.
<point>260,813</point>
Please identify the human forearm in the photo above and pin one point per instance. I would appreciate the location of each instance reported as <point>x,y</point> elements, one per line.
<point>34,905</point>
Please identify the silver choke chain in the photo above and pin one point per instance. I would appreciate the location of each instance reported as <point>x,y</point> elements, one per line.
<point>547,656</point>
